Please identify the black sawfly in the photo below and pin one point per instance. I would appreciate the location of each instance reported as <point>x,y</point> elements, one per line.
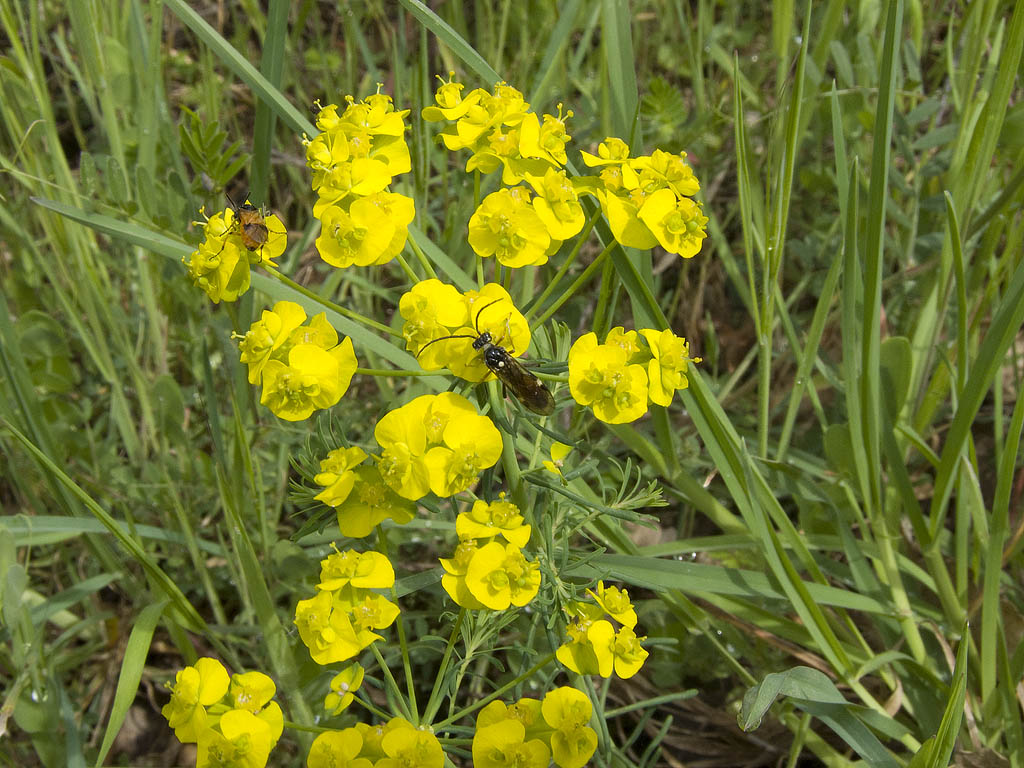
<point>527,388</point>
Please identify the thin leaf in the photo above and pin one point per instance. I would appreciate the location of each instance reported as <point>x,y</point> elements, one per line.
<point>134,661</point>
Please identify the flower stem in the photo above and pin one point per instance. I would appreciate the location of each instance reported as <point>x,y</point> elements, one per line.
<point>576,284</point>
<point>496,694</point>
<point>565,267</point>
<point>394,372</point>
<point>343,311</point>
<point>399,700</point>
<point>413,277</point>
<point>434,702</point>
<point>421,257</point>
<point>410,684</point>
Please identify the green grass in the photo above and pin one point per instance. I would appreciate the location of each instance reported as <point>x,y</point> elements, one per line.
<point>840,558</point>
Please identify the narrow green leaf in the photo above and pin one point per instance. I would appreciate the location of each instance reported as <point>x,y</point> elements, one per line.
<point>134,661</point>
<point>449,37</point>
<point>185,613</point>
<point>616,20</point>
<point>242,67</point>
<point>129,231</point>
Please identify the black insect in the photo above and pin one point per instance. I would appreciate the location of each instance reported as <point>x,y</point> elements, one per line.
<point>526,387</point>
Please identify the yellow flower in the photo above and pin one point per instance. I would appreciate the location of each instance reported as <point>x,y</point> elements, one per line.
<point>343,688</point>
<point>454,579</point>
<point>337,475</point>
<point>318,332</point>
<point>600,377</point>
<point>624,221</point>
<point>371,502</point>
<point>365,570</point>
<point>356,237</point>
<point>313,378</point>
<point>431,309</point>
<point>504,745</point>
<point>399,211</point>
<point>252,691</point>
<point>558,453</point>
<point>268,334</point>
<point>328,631</point>
<point>664,168</point>
<point>615,603</point>
<point>367,609</point>
<point>490,310</point>
<point>611,151</point>
<point>410,748</point>
<point>352,179</point>
<point>471,443</point>
<point>402,435</point>
<point>337,749</point>
<point>499,576</point>
<point>450,104</point>
<point>506,226</point>
<point>666,372</point>
<point>557,204</point>
<point>195,688</point>
<point>525,711</point>
<point>243,741</point>
<point>217,266</point>
<point>568,711</point>
<point>677,223</point>
<point>578,652</point>
<point>628,654</point>
<point>629,341</point>
<point>545,141</point>
<point>485,521</point>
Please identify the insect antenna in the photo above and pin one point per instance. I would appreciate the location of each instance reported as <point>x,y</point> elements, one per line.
<point>442,338</point>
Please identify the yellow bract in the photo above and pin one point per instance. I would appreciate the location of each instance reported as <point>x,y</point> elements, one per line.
<point>302,367</point>
<point>354,161</point>
<point>434,311</point>
<point>619,378</point>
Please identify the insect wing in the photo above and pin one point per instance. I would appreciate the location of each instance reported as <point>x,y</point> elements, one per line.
<point>527,388</point>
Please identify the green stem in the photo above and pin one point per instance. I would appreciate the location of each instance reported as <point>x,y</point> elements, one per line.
<point>604,300</point>
<point>394,372</point>
<point>565,267</point>
<point>396,689</point>
<point>576,284</point>
<point>382,542</point>
<point>343,311</point>
<point>369,707</point>
<point>496,694</point>
<point>413,277</point>
<point>434,703</point>
<point>421,257</point>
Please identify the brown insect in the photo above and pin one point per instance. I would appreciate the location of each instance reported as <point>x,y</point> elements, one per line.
<point>251,226</point>
<point>528,389</point>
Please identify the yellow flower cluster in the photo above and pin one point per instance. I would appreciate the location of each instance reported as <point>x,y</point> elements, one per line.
<point>339,621</point>
<point>594,647</point>
<point>343,688</point>
<point>519,225</point>
<point>648,200</point>
<point>435,443</point>
<point>221,264</point>
<point>488,574</point>
<point>530,733</point>
<point>359,494</point>
<point>232,720</point>
<point>621,377</point>
<point>396,744</point>
<point>434,310</point>
<point>354,161</point>
<point>302,367</point>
